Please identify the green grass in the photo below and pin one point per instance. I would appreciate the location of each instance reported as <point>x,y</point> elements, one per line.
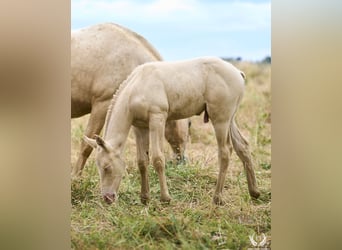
<point>191,220</point>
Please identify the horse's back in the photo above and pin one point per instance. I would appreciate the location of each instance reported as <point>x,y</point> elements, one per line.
<point>184,87</point>
<point>195,76</point>
<point>102,56</point>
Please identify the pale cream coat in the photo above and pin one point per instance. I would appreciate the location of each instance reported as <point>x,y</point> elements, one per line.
<point>157,92</point>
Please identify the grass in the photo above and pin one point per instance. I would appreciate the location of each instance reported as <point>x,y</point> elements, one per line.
<point>190,221</point>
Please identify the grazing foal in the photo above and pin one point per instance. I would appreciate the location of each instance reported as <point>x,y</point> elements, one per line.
<point>157,92</point>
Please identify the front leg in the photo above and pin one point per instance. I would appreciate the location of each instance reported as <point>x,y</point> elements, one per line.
<point>95,124</point>
<point>142,139</point>
<point>157,128</point>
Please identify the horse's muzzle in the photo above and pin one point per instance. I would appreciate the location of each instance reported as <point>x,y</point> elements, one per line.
<point>109,198</point>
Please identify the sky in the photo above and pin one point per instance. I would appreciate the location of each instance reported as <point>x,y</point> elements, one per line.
<point>183,29</point>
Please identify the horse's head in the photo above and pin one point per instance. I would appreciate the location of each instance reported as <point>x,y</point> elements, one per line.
<point>110,166</point>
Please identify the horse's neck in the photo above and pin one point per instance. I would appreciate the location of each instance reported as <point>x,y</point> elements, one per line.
<point>118,128</point>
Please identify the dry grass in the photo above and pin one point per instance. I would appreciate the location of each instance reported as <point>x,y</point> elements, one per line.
<point>190,221</point>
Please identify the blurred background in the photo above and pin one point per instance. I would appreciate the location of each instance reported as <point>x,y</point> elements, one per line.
<point>181,29</point>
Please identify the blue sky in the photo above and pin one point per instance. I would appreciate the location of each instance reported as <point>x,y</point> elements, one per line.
<point>181,29</point>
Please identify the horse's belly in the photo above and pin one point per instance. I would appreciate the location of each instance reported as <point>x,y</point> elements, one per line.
<point>187,110</point>
<point>79,108</point>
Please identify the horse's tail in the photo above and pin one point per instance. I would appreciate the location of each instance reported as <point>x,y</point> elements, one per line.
<point>240,143</point>
<point>241,147</point>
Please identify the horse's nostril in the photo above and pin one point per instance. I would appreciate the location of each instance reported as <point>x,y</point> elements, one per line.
<point>109,198</point>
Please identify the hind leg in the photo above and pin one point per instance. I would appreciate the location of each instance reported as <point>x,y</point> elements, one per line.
<point>224,152</point>
<point>95,124</point>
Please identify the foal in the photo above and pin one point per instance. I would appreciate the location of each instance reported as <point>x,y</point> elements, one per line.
<point>157,92</point>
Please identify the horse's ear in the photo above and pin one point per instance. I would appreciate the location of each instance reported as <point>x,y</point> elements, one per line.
<point>89,141</point>
<point>102,143</point>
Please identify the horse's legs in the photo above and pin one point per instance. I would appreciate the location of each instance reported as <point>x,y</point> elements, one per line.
<point>157,129</point>
<point>224,151</point>
<point>95,124</point>
<point>142,139</point>
<point>177,134</point>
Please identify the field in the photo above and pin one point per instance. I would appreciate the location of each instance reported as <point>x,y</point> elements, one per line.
<point>191,220</point>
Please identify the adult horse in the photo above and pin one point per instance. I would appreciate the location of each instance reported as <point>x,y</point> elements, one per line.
<point>158,92</point>
<point>102,56</point>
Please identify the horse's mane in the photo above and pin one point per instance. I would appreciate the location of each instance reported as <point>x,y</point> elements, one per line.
<point>147,46</point>
<point>140,40</point>
<point>114,99</point>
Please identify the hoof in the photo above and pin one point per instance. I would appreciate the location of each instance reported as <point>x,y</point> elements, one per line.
<point>217,200</point>
<point>255,194</point>
<point>165,199</point>
<point>144,199</point>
